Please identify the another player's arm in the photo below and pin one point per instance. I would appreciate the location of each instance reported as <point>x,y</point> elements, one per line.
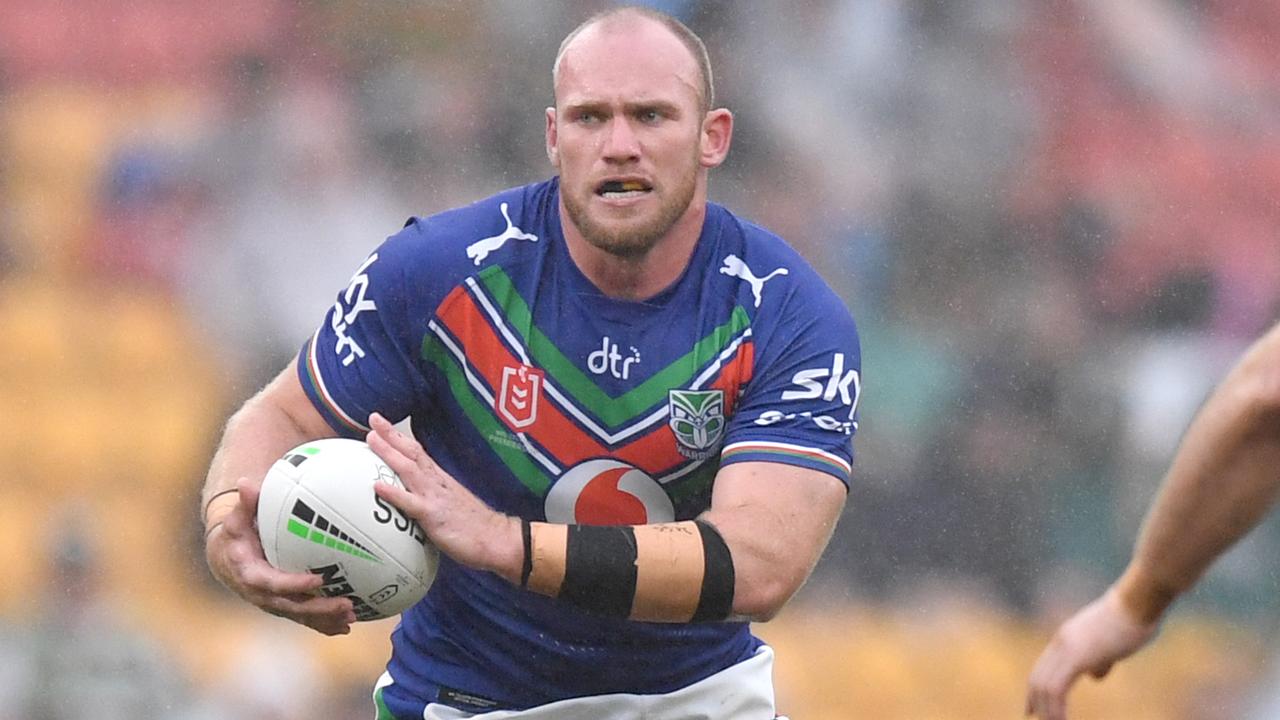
<point>278,418</point>
<point>1220,485</point>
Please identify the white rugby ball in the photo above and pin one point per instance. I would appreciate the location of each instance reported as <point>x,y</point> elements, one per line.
<point>318,513</point>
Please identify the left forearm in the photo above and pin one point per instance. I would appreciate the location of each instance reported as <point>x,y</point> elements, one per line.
<point>1221,483</point>
<point>668,572</point>
<point>742,559</point>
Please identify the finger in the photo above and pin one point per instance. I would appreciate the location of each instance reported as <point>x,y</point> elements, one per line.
<point>394,459</point>
<point>1045,705</point>
<point>272,581</point>
<point>330,628</point>
<point>329,621</point>
<point>404,444</point>
<point>404,466</point>
<point>249,492</point>
<point>256,574</point>
<point>316,607</point>
<point>412,505</point>
<point>384,449</point>
<point>1050,680</point>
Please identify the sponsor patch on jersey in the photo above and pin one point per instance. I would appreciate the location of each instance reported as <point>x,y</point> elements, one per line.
<point>697,419</point>
<point>607,492</point>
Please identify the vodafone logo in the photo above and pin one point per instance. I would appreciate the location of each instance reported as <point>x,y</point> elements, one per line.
<point>607,492</point>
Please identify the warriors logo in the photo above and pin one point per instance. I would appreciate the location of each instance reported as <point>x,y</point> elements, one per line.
<point>697,419</point>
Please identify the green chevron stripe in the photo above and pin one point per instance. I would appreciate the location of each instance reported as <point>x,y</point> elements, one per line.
<point>612,411</point>
<point>481,416</point>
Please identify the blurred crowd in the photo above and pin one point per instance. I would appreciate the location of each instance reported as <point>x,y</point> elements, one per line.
<point>1055,221</point>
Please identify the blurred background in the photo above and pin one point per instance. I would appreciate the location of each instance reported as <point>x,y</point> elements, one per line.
<point>1056,222</point>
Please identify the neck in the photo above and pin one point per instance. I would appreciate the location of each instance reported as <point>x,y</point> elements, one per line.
<point>642,276</point>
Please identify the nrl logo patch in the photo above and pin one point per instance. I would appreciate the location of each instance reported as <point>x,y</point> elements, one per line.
<point>518,399</point>
<point>697,419</point>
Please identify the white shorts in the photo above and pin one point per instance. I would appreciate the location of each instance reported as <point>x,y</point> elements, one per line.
<point>740,692</point>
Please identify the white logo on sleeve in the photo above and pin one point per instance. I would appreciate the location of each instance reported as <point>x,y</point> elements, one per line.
<point>735,267</point>
<point>826,422</point>
<point>480,249</point>
<point>356,304</point>
<point>846,384</point>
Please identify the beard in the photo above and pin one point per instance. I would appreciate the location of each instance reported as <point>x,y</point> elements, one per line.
<point>633,238</point>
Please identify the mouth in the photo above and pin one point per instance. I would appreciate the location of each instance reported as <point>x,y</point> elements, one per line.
<point>623,189</point>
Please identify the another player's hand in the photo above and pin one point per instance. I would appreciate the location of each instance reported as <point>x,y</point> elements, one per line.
<point>457,522</point>
<point>235,557</point>
<point>1090,641</point>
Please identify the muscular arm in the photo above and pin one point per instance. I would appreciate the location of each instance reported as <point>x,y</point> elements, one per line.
<point>775,520</point>
<point>278,418</point>
<point>1220,485</point>
<point>742,559</point>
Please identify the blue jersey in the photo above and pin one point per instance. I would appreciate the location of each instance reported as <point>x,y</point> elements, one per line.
<point>554,402</point>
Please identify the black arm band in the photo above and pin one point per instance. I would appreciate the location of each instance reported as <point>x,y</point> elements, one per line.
<point>600,569</point>
<point>526,534</point>
<point>654,573</point>
<point>716,600</point>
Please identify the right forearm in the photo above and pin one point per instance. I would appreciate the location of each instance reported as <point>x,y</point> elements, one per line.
<point>254,438</point>
<point>268,425</point>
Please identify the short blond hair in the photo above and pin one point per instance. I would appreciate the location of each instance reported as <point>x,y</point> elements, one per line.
<point>687,37</point>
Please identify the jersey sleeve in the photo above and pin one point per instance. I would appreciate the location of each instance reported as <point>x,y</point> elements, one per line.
<point>801,405</point>
<point>361,359</point>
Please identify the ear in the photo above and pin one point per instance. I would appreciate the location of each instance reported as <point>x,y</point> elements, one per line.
<point>717,133</point>
<point>553,149</point>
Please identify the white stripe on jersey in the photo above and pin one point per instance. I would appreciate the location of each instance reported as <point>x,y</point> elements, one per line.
<point>479,387</point>
<point>788,446</point>
<point>324,390</point>
<point>569,406</point>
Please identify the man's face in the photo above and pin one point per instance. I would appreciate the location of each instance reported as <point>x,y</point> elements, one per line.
<point>625,135</point>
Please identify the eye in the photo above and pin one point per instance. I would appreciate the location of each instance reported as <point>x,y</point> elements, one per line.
<point>587,117</point>
<point>649,116</point>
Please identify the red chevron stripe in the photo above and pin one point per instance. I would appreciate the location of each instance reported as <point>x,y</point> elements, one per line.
<point>658,446</point>
<point>653,452</point>
<point>487,356</point>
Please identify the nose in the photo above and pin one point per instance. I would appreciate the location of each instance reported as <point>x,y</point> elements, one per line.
<point>621,144</point>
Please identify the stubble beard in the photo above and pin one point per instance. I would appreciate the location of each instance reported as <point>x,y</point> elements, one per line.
<point>632,242</point>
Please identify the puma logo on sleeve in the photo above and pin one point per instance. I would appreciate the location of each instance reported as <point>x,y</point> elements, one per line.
<point>480,249</point>
<point>735,267</point>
